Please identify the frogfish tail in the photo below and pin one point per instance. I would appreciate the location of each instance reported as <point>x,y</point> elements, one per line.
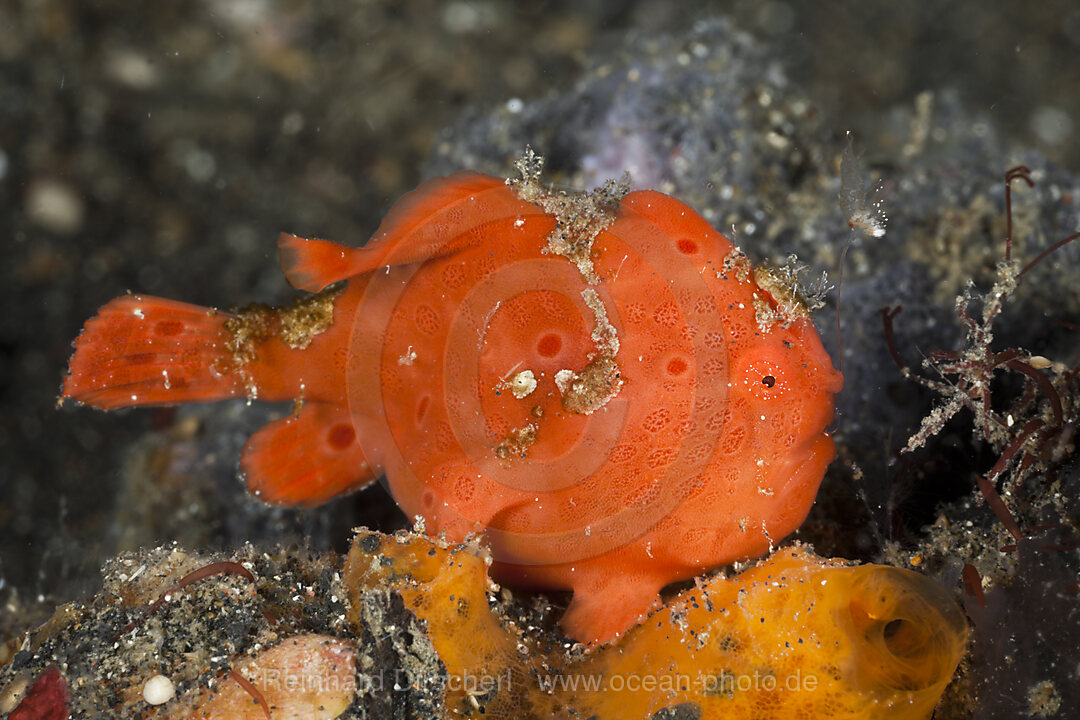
<point>143,350</point>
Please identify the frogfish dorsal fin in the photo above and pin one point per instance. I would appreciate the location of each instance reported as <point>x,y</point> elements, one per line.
<point>438,218</point>
<point>313,264</point>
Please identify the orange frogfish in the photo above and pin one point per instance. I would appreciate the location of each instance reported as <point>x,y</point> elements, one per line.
<point>600,382</point>
<point>796,636</point>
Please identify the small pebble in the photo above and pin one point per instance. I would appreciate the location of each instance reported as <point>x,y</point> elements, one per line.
<point>158,690</point>
<point>55,206</point>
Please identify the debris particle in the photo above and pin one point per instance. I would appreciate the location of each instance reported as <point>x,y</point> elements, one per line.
<point>131,68</point>
<point>604,335</point>
<point>158,690</point>
<point>516,443</point>
<point>55,206</point>
<point>599,381</point>
<point>246,328</point>
<point>297,325</point>
<point>523,384</point>
<point>792,301</point>
<point>861,201</point>
<point>308,317</point>
<point>736,262</point>
<point>580,216</point>
<point>586,392</point>
<point>1043,699</point>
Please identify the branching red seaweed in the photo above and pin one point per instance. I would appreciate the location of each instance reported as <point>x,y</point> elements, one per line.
<point>1020,172</point>
<point>1037,425</point>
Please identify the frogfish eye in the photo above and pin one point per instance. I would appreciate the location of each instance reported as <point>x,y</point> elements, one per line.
<point>763,373</point>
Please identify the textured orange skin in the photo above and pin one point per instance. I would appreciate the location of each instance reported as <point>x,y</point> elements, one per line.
<point>712,449</point>
<point>796,636</point>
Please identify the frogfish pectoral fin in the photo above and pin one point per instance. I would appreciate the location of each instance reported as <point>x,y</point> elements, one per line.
<point>604,611</point>
<point>306,459</point>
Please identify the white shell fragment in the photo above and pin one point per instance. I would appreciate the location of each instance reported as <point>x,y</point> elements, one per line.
<point>158,690</point>
<point>523,384</point>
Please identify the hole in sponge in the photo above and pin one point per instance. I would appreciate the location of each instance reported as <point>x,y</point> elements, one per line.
<point>905,638</point>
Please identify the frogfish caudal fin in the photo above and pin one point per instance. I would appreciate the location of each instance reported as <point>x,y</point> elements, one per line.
<point>143,350</point>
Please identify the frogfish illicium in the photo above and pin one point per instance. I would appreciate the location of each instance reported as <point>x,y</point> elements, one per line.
<point>600,382</point>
